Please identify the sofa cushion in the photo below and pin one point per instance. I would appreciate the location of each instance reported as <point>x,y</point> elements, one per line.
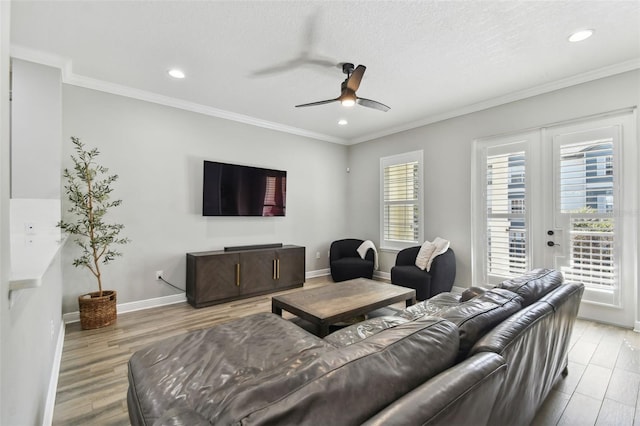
<point>262,369</point>
<point>196,370</point>
<point>534,284</point>
<point>477,316</point>
<point>463,395</point>
<point>433,306</point>
<point>347,385</point>
<point>360,331</point>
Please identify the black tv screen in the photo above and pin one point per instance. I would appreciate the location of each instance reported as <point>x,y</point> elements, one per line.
<point>236,190</point>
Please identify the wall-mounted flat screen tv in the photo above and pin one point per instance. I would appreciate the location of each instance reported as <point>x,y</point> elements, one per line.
<point>236,190</point>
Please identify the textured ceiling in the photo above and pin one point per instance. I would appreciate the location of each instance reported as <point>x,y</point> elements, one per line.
<point>254,61</point>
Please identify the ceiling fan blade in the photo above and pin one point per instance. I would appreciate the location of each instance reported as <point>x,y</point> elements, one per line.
<point>354,80</point>
<point>328,101</point>
<point>372,104</point>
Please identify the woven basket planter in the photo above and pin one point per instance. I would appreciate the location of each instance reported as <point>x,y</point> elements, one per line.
<point>97,311</point>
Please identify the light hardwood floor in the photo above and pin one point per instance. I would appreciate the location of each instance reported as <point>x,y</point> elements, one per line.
<point>602,386</point>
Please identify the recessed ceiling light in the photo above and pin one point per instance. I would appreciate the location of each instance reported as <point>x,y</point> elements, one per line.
<point>343,122</point>
<point>176,73</point>
<point>580,35</point>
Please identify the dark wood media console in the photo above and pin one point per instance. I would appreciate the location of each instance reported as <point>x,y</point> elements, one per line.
<point>221,276</point>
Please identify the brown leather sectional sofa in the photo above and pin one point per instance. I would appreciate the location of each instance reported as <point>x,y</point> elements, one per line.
<point>488,360</point>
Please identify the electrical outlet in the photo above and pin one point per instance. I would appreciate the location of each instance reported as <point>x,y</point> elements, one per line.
<point>158,275</point>
<point>29,228</point>
<point>317,255</point>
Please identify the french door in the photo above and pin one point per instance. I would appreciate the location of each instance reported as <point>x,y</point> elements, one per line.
<point>562,197</point>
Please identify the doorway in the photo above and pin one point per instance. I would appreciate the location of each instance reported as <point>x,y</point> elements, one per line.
<point>562,197</point>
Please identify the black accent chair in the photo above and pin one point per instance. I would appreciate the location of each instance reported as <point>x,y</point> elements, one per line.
<point>346,263</point>
<point>426,284</point>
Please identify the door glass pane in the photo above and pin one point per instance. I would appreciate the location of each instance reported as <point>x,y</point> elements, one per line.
<point>506,207</point>
<point>587,197</point>
<point>586,177</point>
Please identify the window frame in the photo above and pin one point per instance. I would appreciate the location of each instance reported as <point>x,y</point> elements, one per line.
<point>398,159</point>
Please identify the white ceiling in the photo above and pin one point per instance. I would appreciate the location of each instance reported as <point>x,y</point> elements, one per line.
<point>253,61</point>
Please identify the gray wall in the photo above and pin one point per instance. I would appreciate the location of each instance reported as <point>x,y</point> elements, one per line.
<point>447,159</point>
<point>36,128</point>
<point>31,323</point>
<point>29,349</point>
<point>158,153</point>
<point>5,10</point>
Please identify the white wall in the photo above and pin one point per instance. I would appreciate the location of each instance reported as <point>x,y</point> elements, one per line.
<point>447,159</point>
<point>158,153</point>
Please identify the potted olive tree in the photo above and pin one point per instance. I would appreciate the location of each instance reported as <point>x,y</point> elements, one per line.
<point>88,188</point>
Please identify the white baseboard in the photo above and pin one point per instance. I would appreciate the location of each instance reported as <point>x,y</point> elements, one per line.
<point>325,272</point>
<point>50,404</point>
<point>178,298</point>
<point>318,273</point>
<point>138,305</point>
<point>382,275</point>
<point>134,306</point>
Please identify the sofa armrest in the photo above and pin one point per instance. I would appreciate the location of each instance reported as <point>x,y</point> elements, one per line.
<point>462,395</point>
<point>407,256</point>
<point>443,272</point>
<point>535,343</point>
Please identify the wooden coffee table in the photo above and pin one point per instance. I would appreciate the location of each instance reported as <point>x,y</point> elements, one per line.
<point>341,301</point>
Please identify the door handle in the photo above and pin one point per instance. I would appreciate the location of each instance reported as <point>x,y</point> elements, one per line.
<point>551,244</point>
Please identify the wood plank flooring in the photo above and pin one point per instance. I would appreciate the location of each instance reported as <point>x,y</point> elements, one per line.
<point>92,386</point>
<point>602,386</point>
<point>603,382</point>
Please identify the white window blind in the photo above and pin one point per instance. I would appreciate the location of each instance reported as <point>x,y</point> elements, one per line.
<point>587,196</point>
<point>401,200</point>
<point>507,238</point>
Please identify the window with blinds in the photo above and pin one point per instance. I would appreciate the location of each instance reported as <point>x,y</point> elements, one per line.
<point>506,214</point>
<point>587,196</point>
<point>402,200</point>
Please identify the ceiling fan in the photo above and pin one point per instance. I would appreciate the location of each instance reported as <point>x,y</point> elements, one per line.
<point>348,91</point>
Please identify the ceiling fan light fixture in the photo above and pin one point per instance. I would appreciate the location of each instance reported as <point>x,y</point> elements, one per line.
<point>176,73</point>
<point>348,89</point>
<point>348,102</point>
<point>580,35</point>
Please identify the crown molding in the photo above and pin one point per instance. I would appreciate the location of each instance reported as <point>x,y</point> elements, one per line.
<point>143,95</point>
<point>599,73</point>
<point>69,77</point>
